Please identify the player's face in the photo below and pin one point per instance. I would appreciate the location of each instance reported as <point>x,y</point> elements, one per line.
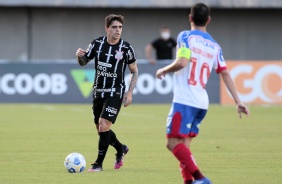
<point>114,30</point>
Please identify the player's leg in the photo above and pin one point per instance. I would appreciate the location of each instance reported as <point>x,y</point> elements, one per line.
<point>114,141</point>
<point>121,149</point>
<point>175,137</point>
<point>112,108</point>
<point>179,124</point>
<point>194,131</point>
<point>97,109</point>
<point>104,140</point>
<point>181,157</point>
<point>183,153</point>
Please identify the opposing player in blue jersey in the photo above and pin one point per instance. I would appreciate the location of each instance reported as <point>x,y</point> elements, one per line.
<point>197,54</point>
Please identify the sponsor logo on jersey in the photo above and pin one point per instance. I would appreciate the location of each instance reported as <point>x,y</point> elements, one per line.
<point>102,70</point>
<point>105,64</point>
<point>106,74</point>
<point>105,90</point>
<point>119,55</point>
<point>84,80</point>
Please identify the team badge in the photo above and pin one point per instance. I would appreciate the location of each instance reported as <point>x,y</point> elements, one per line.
<point>119,55</point>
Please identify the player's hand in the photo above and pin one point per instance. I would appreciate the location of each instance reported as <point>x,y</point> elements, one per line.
<point>242,108</point>
<point>127,100</point>
<point>160,73</point>
<point>80,52</point>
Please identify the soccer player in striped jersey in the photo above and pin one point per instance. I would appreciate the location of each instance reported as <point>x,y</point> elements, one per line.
<point>197,54</point>
<point>111,56</point>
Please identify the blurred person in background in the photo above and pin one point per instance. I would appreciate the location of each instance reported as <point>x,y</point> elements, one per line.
<point>111,55</point>
<point>163,46</point>
<point>197,54</point>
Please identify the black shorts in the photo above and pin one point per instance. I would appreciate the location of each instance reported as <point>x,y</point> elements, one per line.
<point>107,108</point>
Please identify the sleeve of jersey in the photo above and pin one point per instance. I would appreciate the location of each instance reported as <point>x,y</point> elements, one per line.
<point>130,55</point>
<point>220,64</point>
<point>90,53</point>
<point>183,50</point>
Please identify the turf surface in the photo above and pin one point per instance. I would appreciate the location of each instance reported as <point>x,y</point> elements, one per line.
<point>36,138</point>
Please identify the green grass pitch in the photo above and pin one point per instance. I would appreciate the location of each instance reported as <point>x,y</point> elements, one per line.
<point>36,138</point>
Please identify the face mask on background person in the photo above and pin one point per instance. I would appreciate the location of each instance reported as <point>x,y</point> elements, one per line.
<point>165,35</point>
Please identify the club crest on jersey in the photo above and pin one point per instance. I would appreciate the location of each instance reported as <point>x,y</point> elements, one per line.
<point>119,55</point>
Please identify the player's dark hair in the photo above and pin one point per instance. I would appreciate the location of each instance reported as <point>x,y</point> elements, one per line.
<point>200,14</point>
<point>112,17</point>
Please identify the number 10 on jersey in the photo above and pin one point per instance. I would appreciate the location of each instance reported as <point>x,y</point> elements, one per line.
<point>194,77</point>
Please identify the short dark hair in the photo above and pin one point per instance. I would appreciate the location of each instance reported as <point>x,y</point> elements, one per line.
<point>112,17</point>
<point>200,14</point>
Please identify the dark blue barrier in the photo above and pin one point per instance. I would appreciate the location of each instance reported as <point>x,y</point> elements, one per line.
<point>70,83</point>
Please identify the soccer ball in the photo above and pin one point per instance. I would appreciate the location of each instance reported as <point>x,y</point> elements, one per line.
<point>75,163</point>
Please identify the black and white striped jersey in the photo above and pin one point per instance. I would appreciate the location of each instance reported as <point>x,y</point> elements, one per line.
<point>110,64</point>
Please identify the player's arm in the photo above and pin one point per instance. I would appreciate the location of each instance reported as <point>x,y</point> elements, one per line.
<point>241,108</point>
<point>133,80</point>
<point>84,56</point>
<point>134,75</point>
<point>80,56</point>
<point>182,59</point>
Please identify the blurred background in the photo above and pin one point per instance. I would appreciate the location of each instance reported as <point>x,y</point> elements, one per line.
<point>38,41</point>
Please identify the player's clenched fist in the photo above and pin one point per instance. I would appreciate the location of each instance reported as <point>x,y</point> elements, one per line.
<point>80,52</point>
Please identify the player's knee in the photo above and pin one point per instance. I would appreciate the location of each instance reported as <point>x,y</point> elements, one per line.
<point>104,125</point>
<point>169,146</point>
<point>103,128</point>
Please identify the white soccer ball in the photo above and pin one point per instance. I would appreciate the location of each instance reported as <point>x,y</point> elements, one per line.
<point>75,163</point>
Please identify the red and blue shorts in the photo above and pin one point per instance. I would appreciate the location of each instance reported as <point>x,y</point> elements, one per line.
<point>183,121</point>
